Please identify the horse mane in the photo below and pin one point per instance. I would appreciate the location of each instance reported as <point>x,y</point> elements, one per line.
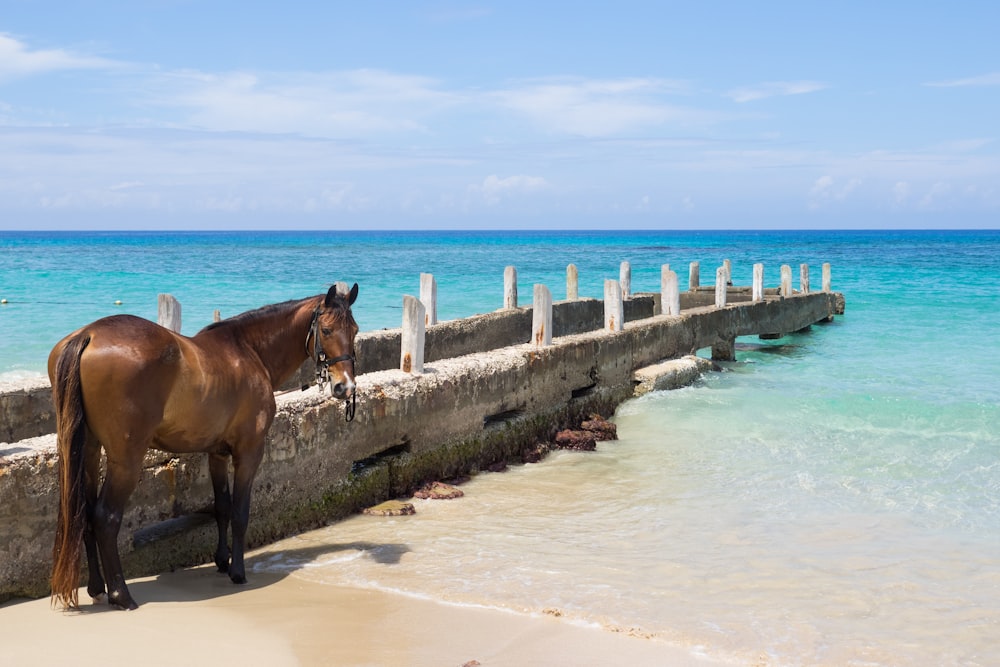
<point>258,313</point>
<point>249,316</point>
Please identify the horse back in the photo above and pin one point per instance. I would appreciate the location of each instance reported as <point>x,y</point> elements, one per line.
<point>120,345</point>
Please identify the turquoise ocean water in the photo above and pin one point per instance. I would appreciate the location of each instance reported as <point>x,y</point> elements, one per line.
<point>833,497</point>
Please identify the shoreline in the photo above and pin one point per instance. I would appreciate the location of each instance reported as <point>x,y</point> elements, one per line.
<point>198,615</point>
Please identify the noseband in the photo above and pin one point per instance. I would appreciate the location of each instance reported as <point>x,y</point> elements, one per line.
<point>323,364</point>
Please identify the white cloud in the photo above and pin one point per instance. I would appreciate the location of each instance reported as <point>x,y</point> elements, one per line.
<point>936,196</point>
<point>339,197</point>
<point>991,79</point>
<point>594,107</point>
<point>261,141</point>
<point>963,145</point>
<point>825,190</point>
<point>822,185</point>
<point>88,197</point>
<point>494,188</point>
<point>937,192</point>
<point>345,103</point>
<point>16,60</point>
<point>774,89</point>
<point>357,103</point>
<point>368,102</point>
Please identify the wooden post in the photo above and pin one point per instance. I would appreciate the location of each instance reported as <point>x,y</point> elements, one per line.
<point>168,312</point>
<point>614,309</point>
<point>670,296</point>
<point>826,277</point>
<point>728,266</point>
<point>510,287</point>
<point>625,278</point>
<point>429,297</point>
<point>664,269</point>
<point>411,354</point>
<point>343,288</point>
<point>786,280</point>
<point>693,277</point>
<point>758,282</point>
<point>216,315</point>
<point>720,287</point>
<point>804,278</point>
<point>572,283</point>
<point>541,316</point>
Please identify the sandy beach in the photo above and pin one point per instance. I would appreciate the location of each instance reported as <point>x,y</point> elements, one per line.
<point>197,617</point>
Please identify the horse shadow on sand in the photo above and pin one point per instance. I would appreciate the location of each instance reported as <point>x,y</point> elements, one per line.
<point>264,568</point>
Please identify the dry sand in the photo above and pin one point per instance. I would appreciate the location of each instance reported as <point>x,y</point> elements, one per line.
<point>197,617</point>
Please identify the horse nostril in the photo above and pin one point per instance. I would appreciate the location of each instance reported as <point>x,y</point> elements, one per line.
<point>343,389</point>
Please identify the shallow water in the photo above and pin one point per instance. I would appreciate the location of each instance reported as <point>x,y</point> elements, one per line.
<point>736,533</point>
<point>830,498</point>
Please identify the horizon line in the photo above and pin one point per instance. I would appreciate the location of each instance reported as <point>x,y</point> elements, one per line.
<point>187,230</point>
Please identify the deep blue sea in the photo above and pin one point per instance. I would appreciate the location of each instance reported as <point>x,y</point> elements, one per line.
<point>832,497</point>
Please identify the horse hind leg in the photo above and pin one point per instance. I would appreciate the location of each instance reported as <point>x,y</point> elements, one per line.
<point>96,587</point>
<point>119,482</point>
<point>218,467</point>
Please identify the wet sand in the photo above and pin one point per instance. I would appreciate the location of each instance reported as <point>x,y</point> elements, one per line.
<point>197,616</point>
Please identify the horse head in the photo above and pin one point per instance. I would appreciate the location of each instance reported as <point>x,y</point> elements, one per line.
<point>332,336</point>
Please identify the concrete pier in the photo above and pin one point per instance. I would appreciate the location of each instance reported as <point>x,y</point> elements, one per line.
<point>487,392</point>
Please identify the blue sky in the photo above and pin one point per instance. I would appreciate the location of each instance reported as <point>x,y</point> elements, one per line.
<point>172,114</point>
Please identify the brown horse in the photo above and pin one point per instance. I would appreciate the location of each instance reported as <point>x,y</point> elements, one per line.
<point>126,384</point>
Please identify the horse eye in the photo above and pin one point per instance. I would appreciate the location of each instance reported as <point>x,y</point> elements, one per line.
<point>326,332</point>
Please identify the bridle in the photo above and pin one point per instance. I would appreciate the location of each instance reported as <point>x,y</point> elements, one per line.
<point>317,354</point>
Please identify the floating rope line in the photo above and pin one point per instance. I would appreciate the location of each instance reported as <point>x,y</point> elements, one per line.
<point>117,302</point>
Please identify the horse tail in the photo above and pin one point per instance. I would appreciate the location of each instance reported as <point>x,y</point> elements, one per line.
<point>67,398</point>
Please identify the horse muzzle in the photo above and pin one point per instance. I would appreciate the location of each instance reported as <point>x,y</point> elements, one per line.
<point>343,390</point>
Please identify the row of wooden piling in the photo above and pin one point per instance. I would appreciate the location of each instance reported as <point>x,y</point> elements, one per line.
<point>420,313</point>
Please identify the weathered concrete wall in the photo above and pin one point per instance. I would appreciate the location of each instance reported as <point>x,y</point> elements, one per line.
<point>25,410</point>
<point>461,415</point>
<point>671,374</point>
<point>379,350</point>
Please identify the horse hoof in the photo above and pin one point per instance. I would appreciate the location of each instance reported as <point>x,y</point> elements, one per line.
<point>100,598</point>
<point>124,602</point>
<point>223,569</point>
<point>238,578</point>
<point>126,606</point>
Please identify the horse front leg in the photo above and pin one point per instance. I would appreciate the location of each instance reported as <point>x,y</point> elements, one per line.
<point>244,469</point>
<point>119,483</point>
<point>218,467</point>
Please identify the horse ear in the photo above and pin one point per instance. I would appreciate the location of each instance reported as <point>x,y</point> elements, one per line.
<point>331,295</point>
<point>334,293</point>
